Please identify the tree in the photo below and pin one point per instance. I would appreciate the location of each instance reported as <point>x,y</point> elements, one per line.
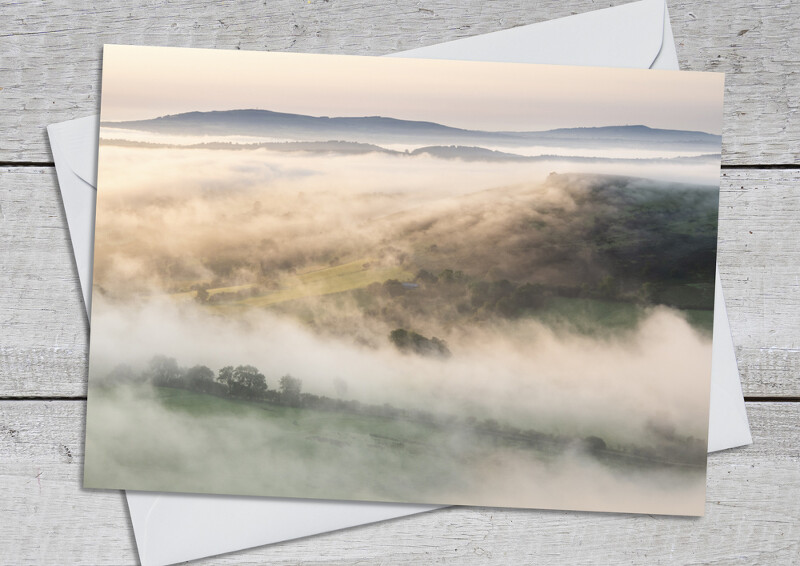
<point>406,341</point>
<point>426,276</point>
<point>290,390</point>
<point>393,287</point>
<point>594,444</point>
<point>248,382</point>
<point>478,293</point>
<point>500,289</point>
<point>200,378</point>
<point>225,377</point>
<point>437,347</point>
<point>164,371</point>
<point>400,338</point>
<point>527,296</point>
<point>506,307</point>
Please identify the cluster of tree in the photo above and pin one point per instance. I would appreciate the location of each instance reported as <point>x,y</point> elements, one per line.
<point>241,382</point>
<point>505,298</point>
<point>454,295</point>
<point>466,293</point>
<point>247,382</point>
<point>410,341</point>
<point>511,300</point>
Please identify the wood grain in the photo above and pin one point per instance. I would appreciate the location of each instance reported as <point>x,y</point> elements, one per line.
<point>760,268</point>
<point>50,51</point>
<point>44,345</point>
<point>43,327</point>
<point>50,71</point>
<point>751,511</point>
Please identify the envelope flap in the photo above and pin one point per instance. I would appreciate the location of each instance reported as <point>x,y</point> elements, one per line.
<point>175,527</point>
<point>78,143</point>
<point>623,36</point>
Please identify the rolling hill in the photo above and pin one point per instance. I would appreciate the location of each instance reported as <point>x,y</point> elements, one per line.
<point>381,129</point>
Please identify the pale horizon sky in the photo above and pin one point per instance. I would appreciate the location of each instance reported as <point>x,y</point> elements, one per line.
<point>147,82</point>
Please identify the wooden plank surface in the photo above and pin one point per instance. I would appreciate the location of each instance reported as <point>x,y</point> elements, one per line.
<point>50,51</point>
<point>45,344</point>
<point>759,261</point>
<point>49,71</point>
<point>752,514</point>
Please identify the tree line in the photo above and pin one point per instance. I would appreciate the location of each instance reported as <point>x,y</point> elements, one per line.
<point>239,382</point>
<point>246,382</point>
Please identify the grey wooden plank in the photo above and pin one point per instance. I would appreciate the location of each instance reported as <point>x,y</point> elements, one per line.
<point>44,332</point>
<point>752,515</point>
<point>50,51</point>
<point>756,44</point>
<point>759,259</point>
<point>43,327</point>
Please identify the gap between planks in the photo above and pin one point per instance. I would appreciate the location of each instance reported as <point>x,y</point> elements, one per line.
<point>780,166</point>
<point>748,399</point>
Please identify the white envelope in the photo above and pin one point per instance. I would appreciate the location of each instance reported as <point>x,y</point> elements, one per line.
<point>171,528</point>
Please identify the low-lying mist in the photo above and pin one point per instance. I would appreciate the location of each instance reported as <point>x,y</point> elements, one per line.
<point>523,373</point>
<point>136,442</point>
<point>145,439</point>
<point>169,216</point>
<point>466,331</point>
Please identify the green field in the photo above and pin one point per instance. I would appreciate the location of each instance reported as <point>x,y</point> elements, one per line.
<point>598,317</point>
<point>154,438</point>
<point>305,429</point>
<point>201,443</point>
<point>327,281</point>
<point>186,295</point>
<point>314,282</point>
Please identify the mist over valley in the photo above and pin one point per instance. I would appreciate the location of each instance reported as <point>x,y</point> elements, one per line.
<point>464,314</point>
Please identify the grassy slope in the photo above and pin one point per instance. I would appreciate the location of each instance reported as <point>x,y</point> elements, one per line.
<point>327,281</point>
<point>296,422</point>
<point>398,454</point>
<point>249,447</point>
<point>595,316</point>
<point>200,443</point>
<point>312,283</point>
<point>304,430</point>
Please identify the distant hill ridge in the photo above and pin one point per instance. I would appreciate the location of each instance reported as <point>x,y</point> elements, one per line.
<point>382,129</point>
<point>464,153</point>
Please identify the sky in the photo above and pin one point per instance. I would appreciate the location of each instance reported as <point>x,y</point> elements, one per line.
<point>147,82</point>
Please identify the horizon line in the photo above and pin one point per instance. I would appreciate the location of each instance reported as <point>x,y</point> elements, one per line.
<point>110,122</point>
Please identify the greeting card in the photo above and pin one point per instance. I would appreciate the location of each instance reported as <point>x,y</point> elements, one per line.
<point>403,280</point>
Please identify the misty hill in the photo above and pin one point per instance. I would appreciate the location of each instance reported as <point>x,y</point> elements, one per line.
<point>575,230</point>
<point>460,152</point>
<point>381,129</point>
<point>605,237</point>
<point>343,147</point>
<point>471,153</point>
